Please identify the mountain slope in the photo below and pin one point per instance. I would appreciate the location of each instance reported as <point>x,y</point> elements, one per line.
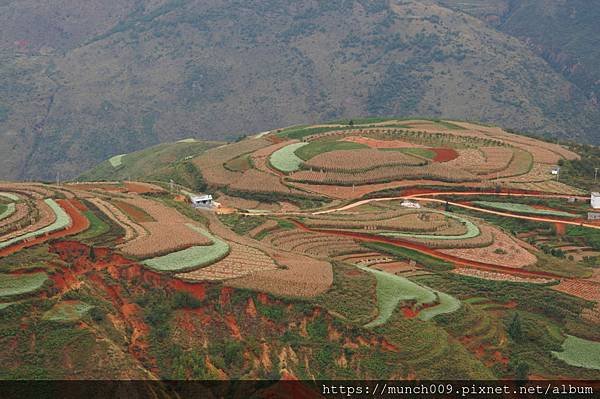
<point>150,72</point>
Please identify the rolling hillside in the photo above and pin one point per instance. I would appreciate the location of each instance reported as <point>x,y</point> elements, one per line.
<point>82,83</point>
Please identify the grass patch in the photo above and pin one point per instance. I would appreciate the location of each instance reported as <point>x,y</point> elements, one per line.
<point>6,210</point>
<point>239,164</point>
<point>319,147</point>
<point>580,353</point>
<point>13,285</point>
<point>67,312</point>
<point>285,159</point>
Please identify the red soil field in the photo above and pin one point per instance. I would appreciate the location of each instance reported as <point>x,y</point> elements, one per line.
<point>135,213</point>
<point>79,223</point>
<point>444,154</point>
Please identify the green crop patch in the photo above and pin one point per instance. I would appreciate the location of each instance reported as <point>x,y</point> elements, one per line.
<point>20,284</point>
<point>424,260</point>
<point>580,353</point>
<point>67,311</point>
<point>285,159</point>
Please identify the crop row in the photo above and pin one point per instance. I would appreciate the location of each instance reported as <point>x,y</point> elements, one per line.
<point>132,230</point>
<point>523,208</point>
<point>241,261</point>
<point>434,171</point>
<point>19,284</point>
<point>10,196</point>
<point>61,221</point>
<point>354,161</point>
<point>495,276</point>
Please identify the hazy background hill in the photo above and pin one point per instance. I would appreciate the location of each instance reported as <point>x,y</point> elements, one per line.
<point>82,81</point>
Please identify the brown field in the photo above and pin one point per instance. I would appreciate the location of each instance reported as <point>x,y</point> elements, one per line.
<point>241,261</point>
<point>360,160</point>
<point>586,289</point>
<point>374,143</point>
<point>504,251</point>
<point>142,188</point>
<point>138,215</point>
<point>495,276</point>
<point>313,244</point>
<point>301,277</point>
<point>15,220</point>
<point>413,222</point>
<point>45,217</point>
<point>486,238</point>
<point>211,163</point>
<point>167,233</point>
<point>256,181</point>
<point>435,171</point>
<point>132,229</point>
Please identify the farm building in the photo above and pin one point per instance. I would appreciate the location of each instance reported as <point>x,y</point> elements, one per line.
<point>555,170</point>
<point>410,204</point>
<point>595,200</point>
<point>593,216</point>
<point>202,201</point>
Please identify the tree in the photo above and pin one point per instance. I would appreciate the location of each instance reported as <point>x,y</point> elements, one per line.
<point>522,371</point>
<point>515,330</point>
<point>92,254</point>
<point>351,123</point>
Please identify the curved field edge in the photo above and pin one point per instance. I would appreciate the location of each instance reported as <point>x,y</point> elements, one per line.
<point>580,352</point>
<point>9,210</point>
<point>522,208</point>
<point>392,290</point>
<point>285,159</point>
<point>10,196</point>
<point>62,221</point>
<point>191,258</point>
<point>472,230</point>
<point>14,285</point>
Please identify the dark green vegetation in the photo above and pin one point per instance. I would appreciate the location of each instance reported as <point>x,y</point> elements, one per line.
<point>219,69</point>
<point>582,172</point>
<point>241,224</point>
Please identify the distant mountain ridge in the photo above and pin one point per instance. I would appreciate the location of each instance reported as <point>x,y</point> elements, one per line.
<point>82,82</point>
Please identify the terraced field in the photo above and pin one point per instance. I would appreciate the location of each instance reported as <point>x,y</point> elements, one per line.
<point>370,251</point>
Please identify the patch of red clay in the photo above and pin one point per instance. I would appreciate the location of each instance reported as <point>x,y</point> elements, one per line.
<point>197,290</point>
<point>225,296</point>
<point>79,223</point>
<point>444,154</point>
<point>250,308</point>
<point>389,347</point>
<point>561,228</point>
<point>262,298</point>
<point>409,313</point>
<point>77,204</point>
<point>231,323</point>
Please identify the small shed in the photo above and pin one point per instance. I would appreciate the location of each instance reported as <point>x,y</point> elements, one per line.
<point>555,170</point>
<point>202,201</point>
<point>595,200</point>
<point>411,204</point>
<point>593,215</point>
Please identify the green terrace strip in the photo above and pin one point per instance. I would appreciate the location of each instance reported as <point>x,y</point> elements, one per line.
<point>392,290</point>
<point>68,311</point>
<point>6,210</point>
<point>62,221</point>
<point>10,196</point>
<point>96,229</point>
<point>580,353</point>
<point>448,304</point>
<point>426,261</point>
<point>285,159</point>
<point>191,258</point>
<point>19,284</point>
<point>472,231</point>
<point>523,208</point>
<point>117,160</point>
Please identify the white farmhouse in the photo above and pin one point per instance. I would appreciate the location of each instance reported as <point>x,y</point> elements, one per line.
<point>202,201</point>
<point>410,204</point>
<point>595,200</point>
